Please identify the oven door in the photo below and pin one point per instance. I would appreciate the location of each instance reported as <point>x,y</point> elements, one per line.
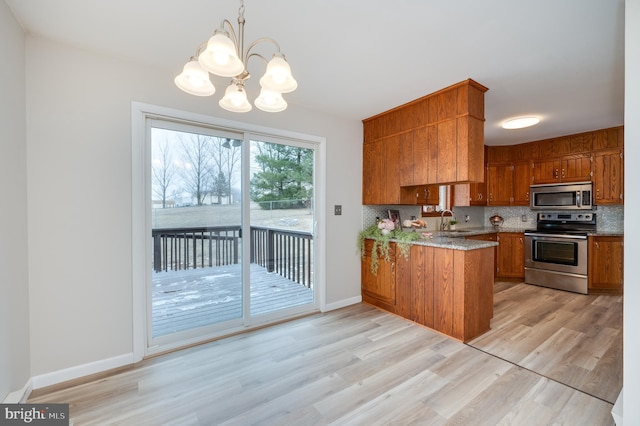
<point>556,252</point>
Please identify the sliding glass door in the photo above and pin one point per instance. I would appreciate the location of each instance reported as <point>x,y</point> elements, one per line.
<point>231,231</point>
<point>282,219</point>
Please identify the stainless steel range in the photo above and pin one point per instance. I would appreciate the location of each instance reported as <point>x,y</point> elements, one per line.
<point>555,254</point>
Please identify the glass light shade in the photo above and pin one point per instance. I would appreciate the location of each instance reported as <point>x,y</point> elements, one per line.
<point>278,76</point>
<point>235,99</point>
<point>195,80</point>
<point>220,56</point>
<point>520,122</point>
<point>270,101</point>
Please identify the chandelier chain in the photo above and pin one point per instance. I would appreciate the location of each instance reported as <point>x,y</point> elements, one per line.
<point>241,11</point>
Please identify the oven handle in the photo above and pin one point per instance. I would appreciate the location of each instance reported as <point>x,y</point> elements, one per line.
<point>564,236</point>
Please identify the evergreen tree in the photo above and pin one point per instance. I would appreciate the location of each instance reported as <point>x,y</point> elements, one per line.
<point>286,175</point>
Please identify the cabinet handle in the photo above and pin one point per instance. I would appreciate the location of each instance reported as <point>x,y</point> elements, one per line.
<point>563,173</point>
<point>597,246</point>
<point>597,194</point>
<point>393,269</point>
<point>555,174</point>
<point>479,196</point>
<point>527,195</point>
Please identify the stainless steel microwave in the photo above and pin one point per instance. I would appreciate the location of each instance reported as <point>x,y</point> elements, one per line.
<point>564,196</point>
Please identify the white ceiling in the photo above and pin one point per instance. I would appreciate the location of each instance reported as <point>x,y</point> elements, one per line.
<point>561,60</point>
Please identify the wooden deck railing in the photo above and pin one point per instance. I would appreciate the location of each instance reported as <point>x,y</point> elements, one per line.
<point>287,253</point>
<point>189,248</point>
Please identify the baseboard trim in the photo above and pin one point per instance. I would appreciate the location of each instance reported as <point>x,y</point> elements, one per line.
<point>19,396</point>
<point>341,304</point>
<point>72,373</point>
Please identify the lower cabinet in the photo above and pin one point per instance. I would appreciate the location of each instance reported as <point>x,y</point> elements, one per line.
<point>510,255</point>
<point>379,288</point>
<point>450,291</point>
<point>606,264</point>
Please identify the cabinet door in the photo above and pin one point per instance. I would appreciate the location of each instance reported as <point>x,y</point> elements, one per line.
<point>374,173</point>
<point>510,263</point>
<point>382,285</point>
<point>420,157</point>
<point>546,170</point>
<point>608,174</point>
<point>606,264</point>
<point>446,165</point>
<point>521,183</point>
<point>421,285</point>
<point>576,168</point>
<point>393,170</point>
<point>443,280</point>
<point>499,184</point>
<point>405,160</point>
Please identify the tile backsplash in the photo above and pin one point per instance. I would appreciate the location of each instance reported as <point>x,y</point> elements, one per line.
<point>609,218</point>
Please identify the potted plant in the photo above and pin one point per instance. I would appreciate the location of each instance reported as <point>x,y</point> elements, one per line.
<point>452,224</point>
<point>382,234</point>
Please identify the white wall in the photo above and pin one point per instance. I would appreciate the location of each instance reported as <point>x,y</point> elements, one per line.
<point>14,308</point>
<point>632,207</point>
<point>79,191</point>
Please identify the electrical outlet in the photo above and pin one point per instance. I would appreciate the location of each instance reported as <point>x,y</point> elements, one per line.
<point>524,218</point>
<point>467,218</point>
<point>337,210</point>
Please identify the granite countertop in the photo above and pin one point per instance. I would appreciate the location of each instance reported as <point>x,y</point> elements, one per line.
<point>455,243</point>
<point>456,239</point>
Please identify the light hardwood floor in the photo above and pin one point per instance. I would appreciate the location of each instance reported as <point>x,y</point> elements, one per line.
<point>362,366</point>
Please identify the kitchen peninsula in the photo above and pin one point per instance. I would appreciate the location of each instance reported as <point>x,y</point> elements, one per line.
<point>443,283</point>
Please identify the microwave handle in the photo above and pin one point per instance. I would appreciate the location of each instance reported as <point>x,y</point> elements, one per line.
<point>579,196</point>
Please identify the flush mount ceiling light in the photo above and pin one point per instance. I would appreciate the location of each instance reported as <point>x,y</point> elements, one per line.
<point>224,55</point>
<point>520,122</point>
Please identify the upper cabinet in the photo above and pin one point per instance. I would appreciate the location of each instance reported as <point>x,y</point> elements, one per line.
<point>436,139</point>
<point>595,156</point>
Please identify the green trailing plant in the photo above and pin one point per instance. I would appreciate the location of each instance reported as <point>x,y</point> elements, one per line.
<point>381,243</point>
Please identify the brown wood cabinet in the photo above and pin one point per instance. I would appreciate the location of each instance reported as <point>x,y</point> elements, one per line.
<point>421,195</point>
<point>521,175</point>
<point>606,264</point>
<point>510,254</point>
<point>379,288</point>
<point>437,139</point>
<point>488,237</point>
<point>470,194</point>
<point>608,176</point>
<point>508,184</point>
<point>570,168</point>
<point>374,169</point>
<point>450,291</point>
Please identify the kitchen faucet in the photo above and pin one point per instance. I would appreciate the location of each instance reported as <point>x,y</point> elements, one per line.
<point>442,224</point>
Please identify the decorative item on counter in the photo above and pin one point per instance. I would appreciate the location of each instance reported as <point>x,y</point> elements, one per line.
<point>452,225</point>
<point>414,224</point>
<point>496,220</point>
<point>426,235</point>
<point>386,226</point>
<point>394,215</point>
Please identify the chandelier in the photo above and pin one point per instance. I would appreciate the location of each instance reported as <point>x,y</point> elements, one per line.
<point>224,55</point>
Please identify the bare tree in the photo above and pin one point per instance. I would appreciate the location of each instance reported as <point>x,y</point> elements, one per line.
<point>198,165</point>
<point>226,159</point>
<point>163,171</point>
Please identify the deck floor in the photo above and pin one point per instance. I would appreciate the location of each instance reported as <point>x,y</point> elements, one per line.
<point>193,298</point>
